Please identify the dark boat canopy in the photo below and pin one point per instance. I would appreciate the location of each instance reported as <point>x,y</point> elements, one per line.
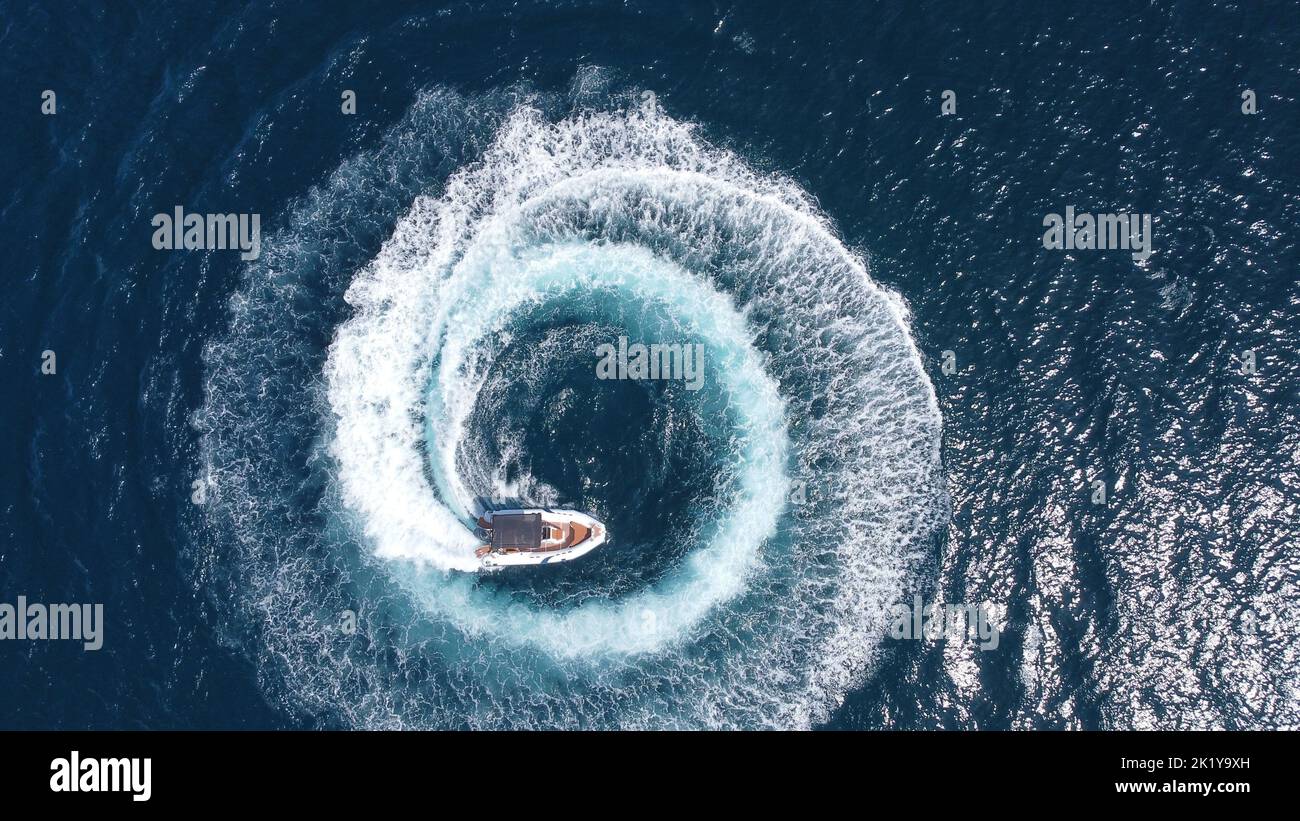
<point>520,531</point>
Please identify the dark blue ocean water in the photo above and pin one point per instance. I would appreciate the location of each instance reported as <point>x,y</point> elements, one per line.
<point>511,150</point>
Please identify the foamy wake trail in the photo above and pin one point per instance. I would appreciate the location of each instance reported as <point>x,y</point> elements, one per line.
<point>829,478</point>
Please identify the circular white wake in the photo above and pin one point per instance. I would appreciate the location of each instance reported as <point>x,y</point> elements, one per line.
<point>829,470</point>
<point>379,430</point>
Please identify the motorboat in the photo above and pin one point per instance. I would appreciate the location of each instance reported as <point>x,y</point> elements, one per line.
<point>537,536</point>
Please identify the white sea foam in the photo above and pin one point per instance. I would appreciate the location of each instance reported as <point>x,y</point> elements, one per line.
<point>378,436</point>
<point>776,612</point>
